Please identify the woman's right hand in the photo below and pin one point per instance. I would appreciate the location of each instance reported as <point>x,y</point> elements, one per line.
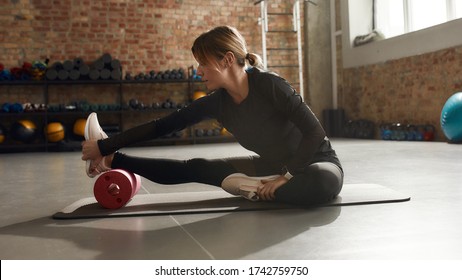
<point>90,151</point>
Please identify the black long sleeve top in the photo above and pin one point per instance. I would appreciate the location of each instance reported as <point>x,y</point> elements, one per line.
<point>272,121</point>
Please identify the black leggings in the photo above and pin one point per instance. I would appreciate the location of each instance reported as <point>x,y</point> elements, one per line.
<point>319,183</point>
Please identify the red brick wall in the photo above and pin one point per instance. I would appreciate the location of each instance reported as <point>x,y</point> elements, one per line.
<point>411,90</point>
<point>144,35</point>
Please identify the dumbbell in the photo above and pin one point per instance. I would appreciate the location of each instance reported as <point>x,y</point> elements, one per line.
<point>411,132</point>
<point>128,77</point>
<point>167,104</point>
<point>429,134</point>
<point>115,188</point>
<point>199,132</point>
<point>156,105</point>
<point>133,103</point>
<point>209,132</point>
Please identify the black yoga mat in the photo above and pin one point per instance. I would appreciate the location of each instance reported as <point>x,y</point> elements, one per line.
<point>217,201</point>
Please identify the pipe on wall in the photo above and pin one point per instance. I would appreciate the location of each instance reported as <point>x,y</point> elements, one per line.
<point>306,51</point>
<point>333,47</point>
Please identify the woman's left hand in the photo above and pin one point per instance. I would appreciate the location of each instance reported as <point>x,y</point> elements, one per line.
<point>269,187</point>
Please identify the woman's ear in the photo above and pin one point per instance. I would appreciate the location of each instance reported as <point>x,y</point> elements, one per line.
<point>229,59</point>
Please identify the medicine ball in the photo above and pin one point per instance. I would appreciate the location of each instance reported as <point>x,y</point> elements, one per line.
<point>2,133</point>
<point>79,127</point>
<point>6,107</point>
<point>23,131</point>
<point>198,94</point>
<point>451,118</point>
<point>54,132</point>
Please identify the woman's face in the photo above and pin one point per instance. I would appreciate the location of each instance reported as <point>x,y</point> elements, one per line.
<point>211,74</point>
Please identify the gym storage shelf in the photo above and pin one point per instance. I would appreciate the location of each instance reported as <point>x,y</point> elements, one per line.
<point>119,117</point>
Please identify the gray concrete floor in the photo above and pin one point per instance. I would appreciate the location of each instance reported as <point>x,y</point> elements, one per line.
<point>34,186</point>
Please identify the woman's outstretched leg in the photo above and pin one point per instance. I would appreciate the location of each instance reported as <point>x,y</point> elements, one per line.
<point>171,171</point>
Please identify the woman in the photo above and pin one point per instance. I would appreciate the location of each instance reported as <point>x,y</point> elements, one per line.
<point>261,110</point>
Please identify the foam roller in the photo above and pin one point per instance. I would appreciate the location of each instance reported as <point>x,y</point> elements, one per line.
<point>115,188</point>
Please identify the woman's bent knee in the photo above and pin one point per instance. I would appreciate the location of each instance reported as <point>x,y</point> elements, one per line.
<point>320,183</point>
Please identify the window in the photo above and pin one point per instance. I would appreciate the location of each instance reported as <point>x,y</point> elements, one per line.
<point>396,17</point>
<point>357,20</point>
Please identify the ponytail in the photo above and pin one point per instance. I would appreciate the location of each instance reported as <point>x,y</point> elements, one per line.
<point>254,60</point>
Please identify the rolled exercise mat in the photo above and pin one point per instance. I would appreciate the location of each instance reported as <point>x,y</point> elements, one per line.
<point>115,188</point>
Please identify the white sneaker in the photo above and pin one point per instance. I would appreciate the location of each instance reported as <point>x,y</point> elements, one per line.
<point>243,185</point>
<point>93,131</point>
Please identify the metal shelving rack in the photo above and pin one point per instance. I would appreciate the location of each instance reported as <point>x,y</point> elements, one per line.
<point>46,115</point>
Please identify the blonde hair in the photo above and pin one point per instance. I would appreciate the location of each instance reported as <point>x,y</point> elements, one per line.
<point>215,43</point>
